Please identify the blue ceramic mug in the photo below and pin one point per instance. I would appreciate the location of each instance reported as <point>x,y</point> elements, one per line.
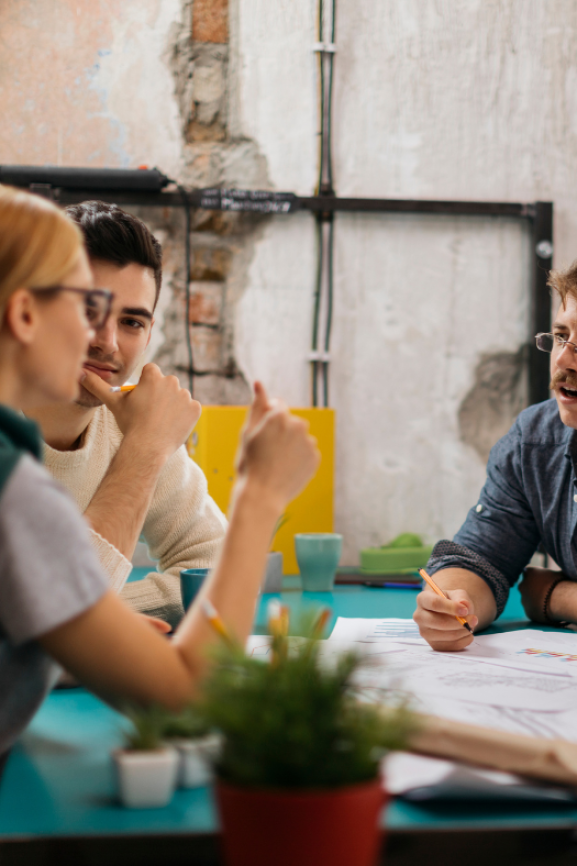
<point>318,555</point>
<point>191,579</point>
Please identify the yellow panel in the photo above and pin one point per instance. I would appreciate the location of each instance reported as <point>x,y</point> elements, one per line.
<point>213,445</point>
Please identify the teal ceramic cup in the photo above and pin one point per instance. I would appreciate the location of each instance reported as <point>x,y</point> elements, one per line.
<point>318,555</point>
<point>191,579</point>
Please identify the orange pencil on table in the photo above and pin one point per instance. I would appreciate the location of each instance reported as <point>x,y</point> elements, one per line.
<point>120,389</point>
<point>321,622</point>
<point>429,580</point>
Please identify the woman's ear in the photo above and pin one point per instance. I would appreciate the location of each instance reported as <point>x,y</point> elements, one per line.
<point>21,315</point>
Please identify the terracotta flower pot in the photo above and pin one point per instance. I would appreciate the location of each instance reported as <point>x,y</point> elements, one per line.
<point>333,827</point>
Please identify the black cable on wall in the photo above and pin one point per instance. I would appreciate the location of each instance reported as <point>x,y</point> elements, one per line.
<point>187,221</point>
<point>323,295</point>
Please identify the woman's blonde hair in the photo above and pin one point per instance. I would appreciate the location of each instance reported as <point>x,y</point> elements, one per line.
<point>39,244</point>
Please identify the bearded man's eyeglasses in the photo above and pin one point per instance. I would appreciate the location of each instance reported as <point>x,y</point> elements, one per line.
<point>97,302</point>
<point>553,343</point>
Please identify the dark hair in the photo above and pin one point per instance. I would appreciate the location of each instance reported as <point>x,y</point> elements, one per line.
<point>112,235</point>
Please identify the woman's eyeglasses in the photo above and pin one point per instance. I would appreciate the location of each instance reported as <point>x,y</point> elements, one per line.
<point>97,302</point>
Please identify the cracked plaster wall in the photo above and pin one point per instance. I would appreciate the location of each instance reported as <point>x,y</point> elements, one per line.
<point>462,99</point>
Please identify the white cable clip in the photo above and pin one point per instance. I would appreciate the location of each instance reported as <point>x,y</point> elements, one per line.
<point>325,47</point>
<point>323,357</point>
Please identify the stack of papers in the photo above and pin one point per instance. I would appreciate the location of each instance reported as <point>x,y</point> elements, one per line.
<point>523,682</point>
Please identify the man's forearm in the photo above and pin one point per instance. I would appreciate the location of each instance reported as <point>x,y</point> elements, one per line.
<point>563,602</point>
<point>119,507</point>
<point>478,590</point>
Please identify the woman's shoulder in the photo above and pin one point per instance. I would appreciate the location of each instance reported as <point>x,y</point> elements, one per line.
<point>31,491</point>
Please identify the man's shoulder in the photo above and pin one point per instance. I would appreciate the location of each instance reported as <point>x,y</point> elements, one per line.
<point>541,424</point>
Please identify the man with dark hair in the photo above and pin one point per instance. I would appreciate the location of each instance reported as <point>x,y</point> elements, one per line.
<point>117,452</point>
<point>529,499</point>
<point>112,235</point>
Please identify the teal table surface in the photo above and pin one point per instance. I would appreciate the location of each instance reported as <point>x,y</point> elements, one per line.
<point>59,780</point>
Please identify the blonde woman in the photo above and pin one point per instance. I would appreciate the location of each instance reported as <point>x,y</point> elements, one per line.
<point>55,604</point>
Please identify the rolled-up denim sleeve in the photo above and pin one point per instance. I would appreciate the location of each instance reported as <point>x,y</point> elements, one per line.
<point>500,534</point>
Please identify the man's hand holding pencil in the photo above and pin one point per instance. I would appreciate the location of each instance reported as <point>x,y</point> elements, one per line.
<point>446,618</point>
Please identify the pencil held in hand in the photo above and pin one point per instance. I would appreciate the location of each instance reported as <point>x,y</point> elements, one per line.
<point>429,580</point>
<point>215,621</point>
<point>120,389</point>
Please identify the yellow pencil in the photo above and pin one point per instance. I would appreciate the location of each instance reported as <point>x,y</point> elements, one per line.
<point>428,579</point>
<point>278,618</point>
<point>215,621</point>
<point>284,619</point>
<point>120,389</point>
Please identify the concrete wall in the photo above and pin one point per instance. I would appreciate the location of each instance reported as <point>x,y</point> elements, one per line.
<point>85,83</point>
<point>461,99</point>
<point>438,100</point>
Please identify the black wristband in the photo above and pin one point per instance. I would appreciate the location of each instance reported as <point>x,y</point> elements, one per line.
<point>546,601</point>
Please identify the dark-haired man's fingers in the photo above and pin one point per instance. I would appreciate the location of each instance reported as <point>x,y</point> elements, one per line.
<point>98,387</point>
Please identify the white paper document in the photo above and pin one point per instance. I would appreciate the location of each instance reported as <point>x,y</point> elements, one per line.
<point>354,629</point>
<point>424,672</point>
<point>259,646</point>
<point>527,649</point>
<point>524,681</point>
<point>527,670</point>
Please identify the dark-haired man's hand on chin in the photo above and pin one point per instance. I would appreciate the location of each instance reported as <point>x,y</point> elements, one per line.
<point>155,418</point>
<point>158,415</point>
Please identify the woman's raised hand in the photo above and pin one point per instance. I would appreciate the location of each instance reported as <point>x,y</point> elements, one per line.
<point>277,454</point>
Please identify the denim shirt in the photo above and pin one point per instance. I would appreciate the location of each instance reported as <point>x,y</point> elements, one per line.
<point>529,497</point>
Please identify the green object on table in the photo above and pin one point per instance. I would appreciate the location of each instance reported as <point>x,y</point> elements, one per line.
<point>406,552</point>
<point>405,539</point>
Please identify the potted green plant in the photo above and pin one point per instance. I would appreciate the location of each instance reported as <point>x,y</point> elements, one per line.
<point>146,767</point>
<point>196,744</point>
<point>298,773</point>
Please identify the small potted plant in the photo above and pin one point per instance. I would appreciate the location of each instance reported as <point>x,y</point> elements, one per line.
<point>197,746</point>
<point>298,778</point>
<point>146,767</point>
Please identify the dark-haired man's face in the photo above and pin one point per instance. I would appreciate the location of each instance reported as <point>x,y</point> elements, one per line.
<point>117,348</point>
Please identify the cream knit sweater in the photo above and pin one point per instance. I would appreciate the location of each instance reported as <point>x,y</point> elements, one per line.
<point>183,528</point>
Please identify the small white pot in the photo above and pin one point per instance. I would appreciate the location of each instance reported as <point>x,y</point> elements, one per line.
<point>146,780</point>
<point>272,581</point>
<point>196,760</point>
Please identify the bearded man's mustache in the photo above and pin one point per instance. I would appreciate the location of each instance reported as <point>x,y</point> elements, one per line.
<point>563,380</point>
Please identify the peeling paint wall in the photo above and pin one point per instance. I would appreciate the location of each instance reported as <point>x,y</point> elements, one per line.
<point>472,99</point>
<point>77,85</point>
